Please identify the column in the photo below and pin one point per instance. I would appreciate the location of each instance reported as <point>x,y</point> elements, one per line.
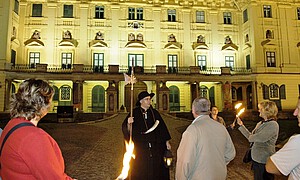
<point>227,96</point>
<point>78,95</point>
<point>194,90</point>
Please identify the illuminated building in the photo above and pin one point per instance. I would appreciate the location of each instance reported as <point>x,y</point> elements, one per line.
<point>227,50</point>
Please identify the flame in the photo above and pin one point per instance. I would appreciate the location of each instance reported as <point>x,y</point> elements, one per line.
<point>240,112</point>
<point>126,160</point>
<point>238,105</point>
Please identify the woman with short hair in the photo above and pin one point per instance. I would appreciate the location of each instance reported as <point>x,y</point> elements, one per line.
<point>263,138</point>
<point>29,152</point>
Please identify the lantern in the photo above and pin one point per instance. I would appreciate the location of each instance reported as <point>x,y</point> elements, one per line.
<point>168,158</point>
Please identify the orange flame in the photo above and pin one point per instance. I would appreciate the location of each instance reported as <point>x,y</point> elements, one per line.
<point>240,112</point>
<point>126,160</point>
<point>238,105</point>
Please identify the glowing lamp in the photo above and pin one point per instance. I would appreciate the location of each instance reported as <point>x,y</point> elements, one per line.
<point>168,158</point>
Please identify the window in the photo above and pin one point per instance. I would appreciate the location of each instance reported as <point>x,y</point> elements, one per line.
<point>98,59</point>
<point>200,17</point>
<point>68,11</point>
<point>171,15</point>
<point>245,15</point>
<point>66,60</point>
<point>174,100</point>
<point>16,7</point>
<point>34,57</point>
<point>227,17</point>
<point>298,13</point>
<point>37,10</point>
<point>203,91</point>
<point>131,12</point>
<point>99,12</point>
<point>229,61</point>
<point>274,91</point>
<point>138,60</point>
<point>13,57</point>
<point>65,93</point>
<point>201,62</point>
<point>172,63</point>
<point>248,64</point>
<point>139,13</point>
<point>98,99</point>
<point>269,34</point>
<point>233,94</point>
<point>267,11</point>
<point>271,61</point>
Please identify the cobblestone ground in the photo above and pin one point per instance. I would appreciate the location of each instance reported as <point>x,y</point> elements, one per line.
<point>94,151</point>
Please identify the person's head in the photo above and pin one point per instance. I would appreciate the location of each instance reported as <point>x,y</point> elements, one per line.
<point>200,106</point>
<point>144,99</point>
<point>33,99</point>
<point>214,110</point>
<point>267,110</point>
<point>297,111</point>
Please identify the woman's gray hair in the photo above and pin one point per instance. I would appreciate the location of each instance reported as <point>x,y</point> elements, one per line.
<point>31,97</point>
<point>201,105</point>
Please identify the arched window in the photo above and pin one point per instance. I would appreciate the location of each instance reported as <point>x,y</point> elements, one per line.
<point>204,91</point>
<point>65,96</point>
<point>174,100</point>
<point>98,99</point>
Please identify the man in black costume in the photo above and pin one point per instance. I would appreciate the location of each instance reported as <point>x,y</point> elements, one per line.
<point>149,147</point>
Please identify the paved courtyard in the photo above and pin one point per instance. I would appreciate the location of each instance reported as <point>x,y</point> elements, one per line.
<point>94,151</point>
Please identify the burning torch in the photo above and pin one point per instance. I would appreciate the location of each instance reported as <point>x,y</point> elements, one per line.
<point>129,145</point>
<point>237,106</point>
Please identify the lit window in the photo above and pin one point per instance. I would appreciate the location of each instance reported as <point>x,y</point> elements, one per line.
<point>99,12</point>
<point>98,62</point>
<point>68,11</point>
<point>201,62</point>
<point>34,58</point>
<point>172,63</point>
<point>271,61</point>
<point>227,17</point>
<point>229,61</point>
<point>171,15</point>
<point>200,16</point>
<point>267,11</point>
<point>66,60</point>
<point>37,10</point>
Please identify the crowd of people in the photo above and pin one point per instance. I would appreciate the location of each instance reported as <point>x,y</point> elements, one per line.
<point>205,150</point>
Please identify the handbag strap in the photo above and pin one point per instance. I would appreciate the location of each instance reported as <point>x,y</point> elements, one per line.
<point>11,131</point>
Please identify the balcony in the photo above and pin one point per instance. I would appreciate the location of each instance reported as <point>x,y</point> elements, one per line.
<point>116,69</point>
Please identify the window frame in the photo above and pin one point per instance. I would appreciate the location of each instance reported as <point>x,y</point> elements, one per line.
<point>37,10</point>
<point>68,60</point>
<point>68,11</point>
<point>227,16</point>
<point>271,56</point>
<point>131,13</point>
<point>202,61</point>
<point>16,6</point>
<point>229,61</point>
<point>139,13</point>
<point>99,12</point>
<point>267,11</point>
<point>200,16</point>
<point>34,58</point>
<point>245,15</point>
<point>171,15</point>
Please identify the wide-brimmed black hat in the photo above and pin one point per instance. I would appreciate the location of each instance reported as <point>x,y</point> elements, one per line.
<point>142,95</point>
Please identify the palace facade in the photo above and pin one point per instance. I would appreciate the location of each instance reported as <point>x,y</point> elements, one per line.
<point>229,51</point>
